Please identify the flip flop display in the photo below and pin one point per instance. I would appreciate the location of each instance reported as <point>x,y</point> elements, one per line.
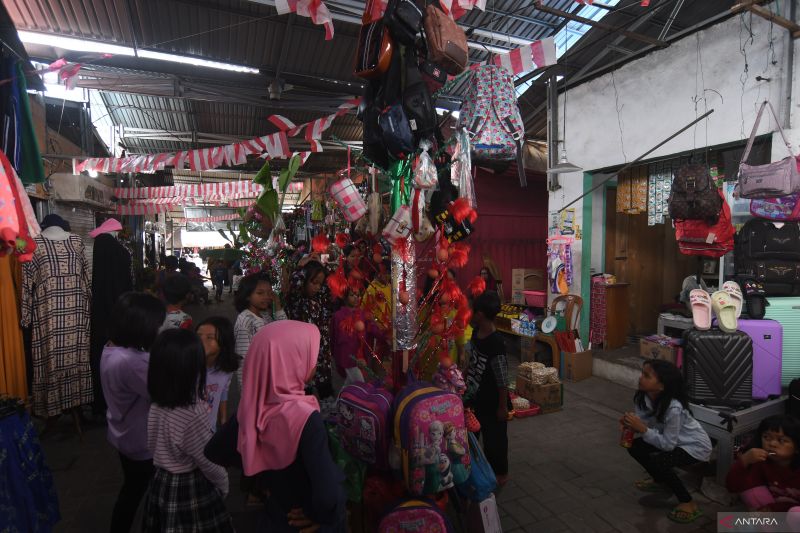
<point>701,309</point>
<point>725,308</point>
<point>735,292</point>
<point>754,295</point>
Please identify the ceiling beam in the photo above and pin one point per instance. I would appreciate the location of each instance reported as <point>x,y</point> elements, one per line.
<point>754,7</point>
<point>598,24</point>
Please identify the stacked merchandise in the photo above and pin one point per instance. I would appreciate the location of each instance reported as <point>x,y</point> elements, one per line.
<point>539,385</point>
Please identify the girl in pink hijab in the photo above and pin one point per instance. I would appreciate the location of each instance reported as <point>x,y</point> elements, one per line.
<point>279,433</point>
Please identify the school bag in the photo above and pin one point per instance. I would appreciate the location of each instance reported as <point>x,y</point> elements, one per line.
<point>415,516</point>
<point>365,412</point>
<point>694,195</point>
<point>417,101</point>
<point>762,239</point>
<point>491,116</point>
<point>430,432</point>
<point>404,20</point>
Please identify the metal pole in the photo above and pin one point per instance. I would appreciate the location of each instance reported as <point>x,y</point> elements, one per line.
<point>653,149</point>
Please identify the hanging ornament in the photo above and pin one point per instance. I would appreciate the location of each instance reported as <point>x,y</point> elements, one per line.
<point>320,243</point>
<point>477,286</point>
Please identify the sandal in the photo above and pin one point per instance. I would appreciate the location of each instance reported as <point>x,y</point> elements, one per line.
<point>650,485</point>
<point>684,517</point>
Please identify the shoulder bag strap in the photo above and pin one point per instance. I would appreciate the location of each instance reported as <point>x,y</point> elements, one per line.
<point>752,138</point>
<point>780,129</point>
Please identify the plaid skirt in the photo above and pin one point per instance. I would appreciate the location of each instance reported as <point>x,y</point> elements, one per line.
<point>184,503</point>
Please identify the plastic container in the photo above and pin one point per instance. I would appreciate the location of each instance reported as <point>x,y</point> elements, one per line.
<point>524,413</point>
<point>535,298</point>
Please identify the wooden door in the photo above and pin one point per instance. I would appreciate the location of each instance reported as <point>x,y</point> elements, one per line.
<point>647,257</point>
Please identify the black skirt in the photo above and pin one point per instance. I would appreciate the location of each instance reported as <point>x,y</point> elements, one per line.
<point>184,503</point>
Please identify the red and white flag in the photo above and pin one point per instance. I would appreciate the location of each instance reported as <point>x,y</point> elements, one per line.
<point>282,123</point>
<point>316,10</point>
<point>538,54</point>
<point>316,146</point>
<point>277,145</point>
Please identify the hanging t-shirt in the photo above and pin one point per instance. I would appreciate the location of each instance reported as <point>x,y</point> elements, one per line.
<point>217,384</point>
<point>177,319</point>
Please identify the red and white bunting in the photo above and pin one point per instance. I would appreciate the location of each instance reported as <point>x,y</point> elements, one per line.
<point>316,146</point>
<point>219,218</point>
<point>275,145</point>
<point>538,54</point>
<point>460,7</point>
<point>143,209</point>
<point>316,10</point>
<point>282,123</point>
<point>242,188</point>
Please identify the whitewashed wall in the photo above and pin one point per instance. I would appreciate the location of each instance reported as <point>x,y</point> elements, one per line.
<point>655,96</point>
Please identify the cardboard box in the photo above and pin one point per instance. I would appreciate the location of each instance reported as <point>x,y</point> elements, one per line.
<point>576,366</point>
<point>527,279</point>
<point>653,350</point>
<point>549,397</point>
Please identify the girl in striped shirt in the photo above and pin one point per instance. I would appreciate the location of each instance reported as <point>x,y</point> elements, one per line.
<point>187,490</point>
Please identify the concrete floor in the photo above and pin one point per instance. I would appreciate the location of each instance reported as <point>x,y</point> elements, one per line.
<point>568,472</point>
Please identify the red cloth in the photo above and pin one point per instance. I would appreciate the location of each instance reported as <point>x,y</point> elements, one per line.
<point>783,483</point>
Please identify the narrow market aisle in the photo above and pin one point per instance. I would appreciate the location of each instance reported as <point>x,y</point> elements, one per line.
<point>568,472</point>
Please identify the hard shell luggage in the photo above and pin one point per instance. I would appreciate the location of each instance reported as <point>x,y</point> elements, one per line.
<point>787,312</point>
<point>767,337</point>
<point>718,367</point>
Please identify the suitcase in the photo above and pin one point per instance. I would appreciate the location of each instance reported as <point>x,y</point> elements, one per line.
<point>718,367</point>
<point>787,312</point>
<point>767,337</point>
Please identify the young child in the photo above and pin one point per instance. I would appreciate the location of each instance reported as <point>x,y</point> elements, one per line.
<point>135,320</point>
<point>176,291</point>
<point>767,476</point>
<point>254,301</point>
<point>187,490</point>
<point>236,279</point>
<point>349,352</point>
<point>219,274</point>
<point>487,382</point>
<point>670,436</point>
<point>216,334</point>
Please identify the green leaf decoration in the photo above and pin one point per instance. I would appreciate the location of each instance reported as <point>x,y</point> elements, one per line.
<point>264,177</point>
<point>268,203</point>
<point>283,180</point>
<point>222,232</point>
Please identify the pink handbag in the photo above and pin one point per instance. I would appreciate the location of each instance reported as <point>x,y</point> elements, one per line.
<point>349,200</point>
<point>781,209</point>
<point>772,180</point>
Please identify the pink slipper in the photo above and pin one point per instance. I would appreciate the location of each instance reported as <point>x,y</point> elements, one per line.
<point>735,292</point>
<point>701,309</point>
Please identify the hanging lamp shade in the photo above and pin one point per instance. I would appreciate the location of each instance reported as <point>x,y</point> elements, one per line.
<point>563,166</point>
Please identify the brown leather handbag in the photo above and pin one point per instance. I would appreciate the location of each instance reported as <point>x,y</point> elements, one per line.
<point>447,43</point>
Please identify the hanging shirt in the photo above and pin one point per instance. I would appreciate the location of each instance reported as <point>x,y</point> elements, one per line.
<point>177,319</point>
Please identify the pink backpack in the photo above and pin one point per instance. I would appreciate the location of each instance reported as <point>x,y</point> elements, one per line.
<point>365,412</point>
<point>780,209</point>
<point>415,516</point>
<point>429,430</point>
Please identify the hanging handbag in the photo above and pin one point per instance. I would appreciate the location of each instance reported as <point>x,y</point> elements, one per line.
<point>780,178</point>
<point>400,225</point>
<point>423,229</point>
<point>781,209</point>
<point>698,237</point>
<point>417,100</point>
<point>375,50</point>
<point>348,199</point>
<point>396,131</point>
<point>694,195</point>
<point>447,43</point>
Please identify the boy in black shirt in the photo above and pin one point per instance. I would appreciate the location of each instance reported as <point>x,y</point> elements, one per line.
<point>487,382</point>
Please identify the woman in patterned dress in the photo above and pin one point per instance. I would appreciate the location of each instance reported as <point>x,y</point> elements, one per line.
<point>56,291</point>
<point>309,301</point>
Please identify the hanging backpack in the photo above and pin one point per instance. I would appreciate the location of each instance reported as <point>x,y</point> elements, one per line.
<point>417,100</point>
<point>365,421</point>
<point>491,116</point>
<point>430,431</point>
<point>404,20</point>
<point>694,195</point>
<point>415,516</point>
<point>698,237</point>
<point>762,239</point>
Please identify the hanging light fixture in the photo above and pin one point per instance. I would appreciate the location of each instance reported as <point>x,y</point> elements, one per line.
<point>564,166</point>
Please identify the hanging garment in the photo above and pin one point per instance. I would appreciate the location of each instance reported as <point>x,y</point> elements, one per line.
<point>658,192</point>
<point>111,266</point>
<point>12,350</point>
<point>18,223</point>
<point>30,169</point>
<point>55,303</point>
<point>28,499</point>
<point>632,194</point>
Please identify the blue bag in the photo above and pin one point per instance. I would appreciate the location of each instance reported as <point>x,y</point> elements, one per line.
<point>482,481</point>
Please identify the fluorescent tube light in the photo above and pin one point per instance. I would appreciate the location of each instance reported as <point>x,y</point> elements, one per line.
<point>82,45</point>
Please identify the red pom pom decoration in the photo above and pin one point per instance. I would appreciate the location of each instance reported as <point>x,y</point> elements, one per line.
<point>377,258</point>
<point>342,239</point>
<point>320,243</point>
<point>459,254</point>
<point>337,283</point>
<point>442,255</point>
<point>477,286</point>
<point>433,273</point>
<point>359,326</point>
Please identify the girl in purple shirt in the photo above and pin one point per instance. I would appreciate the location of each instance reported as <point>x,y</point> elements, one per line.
<point>135,321</point>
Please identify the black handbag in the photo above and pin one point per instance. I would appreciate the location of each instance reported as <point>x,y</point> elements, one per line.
<point>396,131</point>
<point>762,239</point>
<point>417,100</point>
<point>404,20</point>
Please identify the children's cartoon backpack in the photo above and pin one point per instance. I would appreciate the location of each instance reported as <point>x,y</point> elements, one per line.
<point>430,432</point>
<point>491,116</point>
<point>365,418</point>
<point>415,516</point>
